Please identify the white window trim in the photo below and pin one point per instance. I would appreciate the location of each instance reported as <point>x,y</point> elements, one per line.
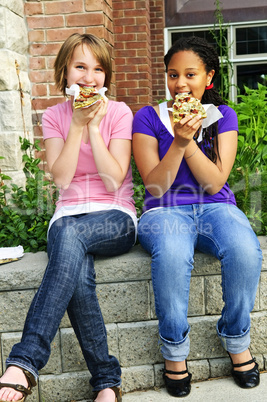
<point>236,60</point>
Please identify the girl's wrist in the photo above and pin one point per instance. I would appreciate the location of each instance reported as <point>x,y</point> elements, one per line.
<point>76,126</point>
<point>93,130</point>
<point>192,154</point>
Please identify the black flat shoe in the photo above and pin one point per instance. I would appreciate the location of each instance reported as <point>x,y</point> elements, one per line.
<point>177,388</point>
<point>246,379</point>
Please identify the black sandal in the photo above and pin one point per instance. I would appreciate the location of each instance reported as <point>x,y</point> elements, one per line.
<point>246,379</point>
<point>20,388</point>
<point>117,391</point>
<point>177,388</point>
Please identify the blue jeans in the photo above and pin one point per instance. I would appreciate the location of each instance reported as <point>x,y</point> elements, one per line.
<point>69,284</point>
<point>171,235</point>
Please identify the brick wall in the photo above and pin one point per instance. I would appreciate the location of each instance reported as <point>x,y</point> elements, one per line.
<point>133,31</point>
<point>157,24</point>
<point>133,52</point>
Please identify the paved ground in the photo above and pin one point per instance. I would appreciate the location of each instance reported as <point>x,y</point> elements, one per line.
<point>217,390</point>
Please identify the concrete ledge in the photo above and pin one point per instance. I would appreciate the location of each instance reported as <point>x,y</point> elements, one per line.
<point>126,297</point>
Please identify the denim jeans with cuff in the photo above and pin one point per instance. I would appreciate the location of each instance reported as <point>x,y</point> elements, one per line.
<point>69,284</point>
<point>171,235</point>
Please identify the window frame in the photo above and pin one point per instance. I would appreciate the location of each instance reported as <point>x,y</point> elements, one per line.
<point>236,60</point>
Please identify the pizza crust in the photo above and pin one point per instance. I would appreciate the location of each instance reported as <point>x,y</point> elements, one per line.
<point>184,105</point>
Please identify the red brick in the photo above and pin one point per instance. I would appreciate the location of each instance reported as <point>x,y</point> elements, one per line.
<point>85,20</point>
<point>120,61</point>
<point>98,31</point>
<point>121,38</point>
<point>137,91</point>
<point>98,5</point>
<point>121,76</point>
<point>37,63</point>
<point>41,76</point>
<point>56,35</point>
<point>36,36</point>
<point>125,68</point>
<point>134,28</point>
<point>137,60</point>
<point>50,60</point>
<point>118,29</point>
<point>121,92</point>
<point>53,91</point>
<point>141,37</point>
<point>37,132</point>
<point>43,104</point>
<point>44,49</point>
<point>39,90</point>
<point>33,8</point>
<point>126,53</point>
<point>129,100</point>
<point>45,22</point>
<point>63,7</point>
<point>137,45</point>
<point>127,84</point>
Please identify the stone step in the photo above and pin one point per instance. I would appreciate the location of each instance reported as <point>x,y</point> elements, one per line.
<point>126,297</point>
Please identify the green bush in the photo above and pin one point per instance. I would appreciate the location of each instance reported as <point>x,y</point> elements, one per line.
<point>249,173</point>
<point>139,189</point>
<point>25,213</point>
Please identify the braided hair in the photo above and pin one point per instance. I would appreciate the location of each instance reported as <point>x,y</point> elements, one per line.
<point>206,52</point>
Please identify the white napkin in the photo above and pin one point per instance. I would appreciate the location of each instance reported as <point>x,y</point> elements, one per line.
<point>11,252</point>
<point>75,89</point>
<point>213,114</point>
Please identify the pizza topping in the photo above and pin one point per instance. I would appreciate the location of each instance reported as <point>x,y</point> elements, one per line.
<point>184,105</point>
<point>86,97</point>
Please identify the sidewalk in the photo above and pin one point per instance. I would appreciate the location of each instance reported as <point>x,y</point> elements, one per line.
<point>217,390</point>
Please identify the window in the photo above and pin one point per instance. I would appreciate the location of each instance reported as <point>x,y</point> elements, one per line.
<point>251,40</point>
<point>247,44</point>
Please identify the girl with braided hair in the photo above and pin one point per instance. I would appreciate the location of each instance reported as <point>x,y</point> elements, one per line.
<point>189,206</point>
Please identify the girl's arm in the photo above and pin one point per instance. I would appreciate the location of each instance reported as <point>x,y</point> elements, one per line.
<point>212,176</point>
<point>112,163</point>
<point>158,175</point>
<point>62,157</point>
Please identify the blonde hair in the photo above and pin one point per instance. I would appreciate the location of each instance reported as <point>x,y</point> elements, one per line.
<point>97,47</point>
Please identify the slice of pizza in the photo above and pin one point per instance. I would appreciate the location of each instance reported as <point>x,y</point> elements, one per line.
<point>86,97</point>
<point>184,105</point>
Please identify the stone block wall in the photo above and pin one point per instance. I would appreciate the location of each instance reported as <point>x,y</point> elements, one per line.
<point>15,88</point>
<point>127,302</point>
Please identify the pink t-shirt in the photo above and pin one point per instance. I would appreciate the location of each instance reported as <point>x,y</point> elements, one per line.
<point>87,186</point>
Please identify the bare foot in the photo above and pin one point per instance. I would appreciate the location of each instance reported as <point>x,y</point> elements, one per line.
<point>106,395</point>
<point>13,375</point>
<point>175,366</point>
<point>242,358</point>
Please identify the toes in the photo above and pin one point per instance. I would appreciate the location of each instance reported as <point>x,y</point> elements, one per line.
<point>8,394</point>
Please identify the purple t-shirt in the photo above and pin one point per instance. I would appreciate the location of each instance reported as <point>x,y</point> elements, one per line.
<point>185,189</point>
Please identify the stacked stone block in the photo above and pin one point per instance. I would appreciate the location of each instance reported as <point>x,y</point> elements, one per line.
<point>15,102</point>
<point>127,302</point>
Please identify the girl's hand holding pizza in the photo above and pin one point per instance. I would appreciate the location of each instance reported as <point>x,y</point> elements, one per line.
<point>186,128</point>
